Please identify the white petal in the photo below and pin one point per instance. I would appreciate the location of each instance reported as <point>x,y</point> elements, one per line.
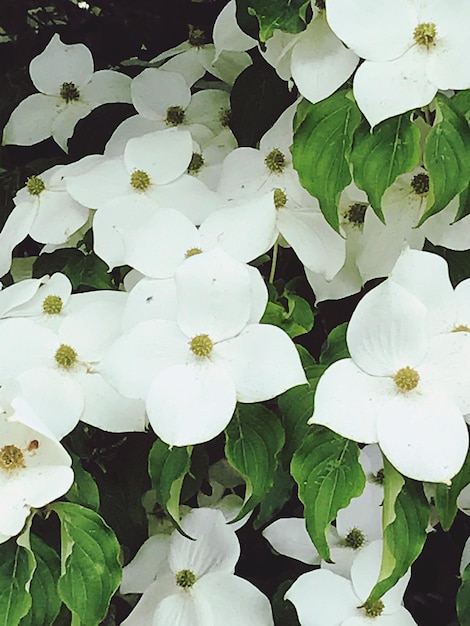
<point>442,230</point>
<point>322,598</point>
<point>106,181</point>
<point>263,362</point>
<point>383,90</point>
<point>64,124</point>
<point>215,548</point>
<point>31,121</point>
<point>107,86</point>
<point>14,231</point>
<point>16,295</point>
<point>320,62</point>
<point>134,126</point>
<point>150,299</point>
<point>24,345</point>
<point>433,431</point>
<point>58,217</point>
<point>364,513</point>
<point>154,90</point>
<point>381,344</point>
<point>198,415</point>
<point>289,536</point>
<point>206,107</point>
<point>144,611</point>
<point>183,609</point>
<point>214,295</point>
<point>149,562</point>
<point>61,63</point>
<point>227,34</point>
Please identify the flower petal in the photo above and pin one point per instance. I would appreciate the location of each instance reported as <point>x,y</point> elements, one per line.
<point>289,536</point>
<point>107,86</point>
<point>154,90</point>
<point>31,121</point>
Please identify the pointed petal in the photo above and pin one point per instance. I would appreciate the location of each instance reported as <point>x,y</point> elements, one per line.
<point>107,86</point>
<point>149,562</point>
<point>289,536</point>
<point>14,231</point>
<point>154,90</point>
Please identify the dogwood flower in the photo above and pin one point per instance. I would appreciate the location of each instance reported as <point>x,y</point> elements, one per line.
<point>69,91</point>
<point>322,598</point>
<point>192,581</point>
<point>396,387</point>
<point>411,49</point>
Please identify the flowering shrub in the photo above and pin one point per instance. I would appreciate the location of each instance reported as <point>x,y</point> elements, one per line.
<point>247,312</point>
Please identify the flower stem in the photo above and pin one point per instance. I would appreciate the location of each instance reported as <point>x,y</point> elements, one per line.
<point>273,263</point>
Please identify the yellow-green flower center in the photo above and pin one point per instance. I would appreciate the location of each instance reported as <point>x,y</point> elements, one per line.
<point>275,161</point>
<point>406,379</point>
<point>52,305</point>
<point>69,92</point>
<point>425,34</point>
<point>196,164</point>
<point>174,116</point>
<point>140,181</point>
<point>280,198</point>
<point>225,117</point>
<point>201,346</point>
<point>356,213</point>
<point>65,356</point>
<point>192,252</point>
<point>11,458</point>
<point>354,539</point>
<point>373,609</point>
<point>185,578</point>
<point>379,478</point>
<point>461,329</point>
<point>420,184</point>
<point>35,185</point>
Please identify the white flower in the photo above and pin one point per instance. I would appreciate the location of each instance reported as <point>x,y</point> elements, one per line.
<point>212,352</point>
<point>397,387</point>
<point>34,467</point>
<point>322,598</point>
<point>69,90</point>
<point>412,49</point>
<point>194,581</point>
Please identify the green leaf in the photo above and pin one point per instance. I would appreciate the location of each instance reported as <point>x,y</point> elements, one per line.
<point>45,599</point>
<point>275,14</point>
<point>253,440</point>
<point>336,347</point>
<point>405,519</point>
<point>90,566</point>
<point>322,145</point>
<point>84,490</point>
<point>446,495</point>
<point>296,408</point>
<point>446,156</point>
<point>83,270</point>
<point>328,473</point>
<point>377,158</point>
<point>17,566</point>
<point>461,102</point>
<point>463,599</point>
<point>167,469</point>
<point>283,610</point>
<point>464,205</point>
<point>275,499</point>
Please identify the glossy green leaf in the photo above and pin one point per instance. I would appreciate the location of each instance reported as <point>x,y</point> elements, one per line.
<point>83,270</point>
<point>447,156</point>
<point>463,599</point>
<point>17,567</point>
<point>253,440</point>
<point>322,146</point>
<point>377,158</point>
<point>84,490</point>
<point>446,495</point>
<point>46,602</point>
<point>328,474</point>
<point>405,519</point>
<point>296,408</point>
<point>464,205</point>
<point>90,564</point>
<point>273,15</point>
<point>275,499</point>
<point>167,469</point>
<point>336,346</point>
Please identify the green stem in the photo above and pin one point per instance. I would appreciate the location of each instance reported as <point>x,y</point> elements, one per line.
<point>273,263</point>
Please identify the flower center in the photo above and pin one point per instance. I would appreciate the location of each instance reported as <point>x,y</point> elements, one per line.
<point>420,184</point>
<point>52,305</point>
<point>185,578</point>
<point>174,116</point>
<point>379,478</point>
<point>461,329</point>
<point>140,181</point>
<point>373,609</point>
<point>197,37</point>
<point>192,252</point>
<point>35,185</point>
<point>406,379</point>
<point>65,356</point>
<point>355,539</point>
<point>275,161</point>
<point>280,198</point>
<point>225,117</point>
<point>425,34</point>
<point>356,213</point>
<point>196,164</point>
<point>11,458</point>
<point>201,346</point>
<point>69,92</point>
